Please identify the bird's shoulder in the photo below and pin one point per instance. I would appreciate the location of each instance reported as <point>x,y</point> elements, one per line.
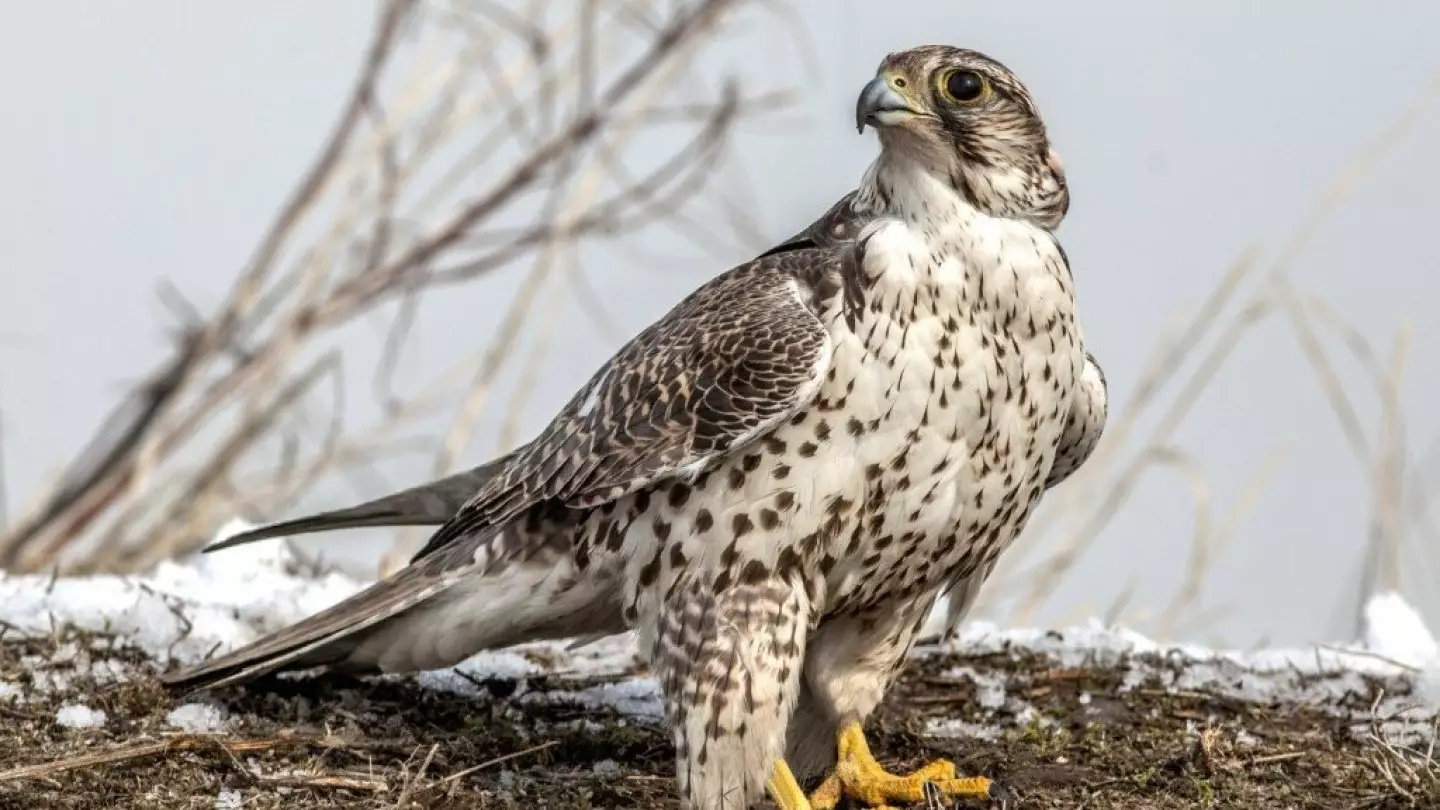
<point>840,225</point>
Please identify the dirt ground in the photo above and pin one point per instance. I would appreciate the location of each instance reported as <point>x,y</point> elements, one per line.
<point>331,742</point>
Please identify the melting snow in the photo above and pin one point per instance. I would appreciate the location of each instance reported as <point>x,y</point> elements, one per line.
<point>75,716</point>
<point>989,687</point>
<point>949,727</point>
<point>606,767</point>
<point>197,718</point>
<point>184,610</point>
<point>181,610</point>
<point>1395,630</point>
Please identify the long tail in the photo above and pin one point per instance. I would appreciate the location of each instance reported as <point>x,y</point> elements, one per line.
<point>478,593</point>
<point>428,504</point>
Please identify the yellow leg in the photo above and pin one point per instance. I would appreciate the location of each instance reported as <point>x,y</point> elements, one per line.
<point>859,776</point>
<point>827,796</point>
<point>784,790</point>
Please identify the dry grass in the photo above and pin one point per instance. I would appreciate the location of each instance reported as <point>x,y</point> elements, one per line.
<point>1408,773</point>
<point>386,743</point>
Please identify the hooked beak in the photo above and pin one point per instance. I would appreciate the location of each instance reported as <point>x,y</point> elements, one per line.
<point>880,104</point>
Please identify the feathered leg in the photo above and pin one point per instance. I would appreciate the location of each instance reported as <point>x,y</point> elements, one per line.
<point>850,663</point>
<point>729,665</point>
<point>810,739</point>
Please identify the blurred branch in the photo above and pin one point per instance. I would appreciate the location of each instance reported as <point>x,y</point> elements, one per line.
<point>4,480</point>
<point>1090,501</point>
<point>465,147</point>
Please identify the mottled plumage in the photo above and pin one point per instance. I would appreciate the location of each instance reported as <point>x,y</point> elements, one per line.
<point>773,483</point>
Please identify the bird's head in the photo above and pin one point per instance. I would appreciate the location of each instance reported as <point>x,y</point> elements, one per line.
<point>968,120</point>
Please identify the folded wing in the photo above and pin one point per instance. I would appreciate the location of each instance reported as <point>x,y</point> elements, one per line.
<point>729,363</point>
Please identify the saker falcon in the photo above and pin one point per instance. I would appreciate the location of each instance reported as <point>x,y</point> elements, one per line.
<point>772,484</point>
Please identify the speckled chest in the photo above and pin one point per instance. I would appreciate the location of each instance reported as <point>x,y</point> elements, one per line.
<point>954,379</point>
<point>954,359</point>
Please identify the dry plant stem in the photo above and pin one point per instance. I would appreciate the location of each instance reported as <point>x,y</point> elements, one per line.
<point>139,750</point>
<point>1393,478</point>
<point>1090,513</point>
<point>490,763</point>
<point>511,430</point>
<point>1383,556</point>
<point>420,774</point>
<point>118,469</point>
<point>1166,362</point>
<point>139,493</point>
<point>1123,486</point>
<point>365,290</point>
<point>473,408</point>
<point>1184,615</point>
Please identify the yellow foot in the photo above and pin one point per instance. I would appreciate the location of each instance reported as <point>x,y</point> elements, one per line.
<point>784,790</point>
<point>860,777</point>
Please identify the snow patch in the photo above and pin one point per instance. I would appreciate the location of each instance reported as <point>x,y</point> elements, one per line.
<point>950,727</point>
<point>197,718</point>
<point>606,767</point>
<point>989,688</point>
<point>1325,677</point>
<point>1395,630</point>
<point>185,610</point>
<point>637,697</point>
<point>79,716</point>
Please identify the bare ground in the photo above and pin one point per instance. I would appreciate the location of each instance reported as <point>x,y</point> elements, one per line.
<point>333,742</point>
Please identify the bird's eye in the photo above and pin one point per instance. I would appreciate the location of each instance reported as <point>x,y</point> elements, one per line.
<point>962,86</point>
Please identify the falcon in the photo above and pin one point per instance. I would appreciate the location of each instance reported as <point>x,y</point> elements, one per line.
<point>772,484</point>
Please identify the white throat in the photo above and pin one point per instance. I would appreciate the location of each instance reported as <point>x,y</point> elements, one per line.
<point>931,251</point>
<point>902,187</point>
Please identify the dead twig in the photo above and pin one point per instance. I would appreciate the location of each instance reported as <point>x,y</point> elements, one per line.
<point>393,211</point>
<point>169,745</point>
<point>458,775</point>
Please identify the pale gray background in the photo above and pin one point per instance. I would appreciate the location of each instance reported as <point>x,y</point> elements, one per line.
<point>155,140</point>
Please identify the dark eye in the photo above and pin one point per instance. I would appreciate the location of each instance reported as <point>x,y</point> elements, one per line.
<point>964,86</point>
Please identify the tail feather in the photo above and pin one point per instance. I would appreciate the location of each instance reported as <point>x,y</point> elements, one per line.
<point>478,592</point>
<point>429,504</point>
<point>328,637</point>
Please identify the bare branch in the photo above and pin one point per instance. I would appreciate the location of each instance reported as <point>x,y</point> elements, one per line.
<point>485,154</point>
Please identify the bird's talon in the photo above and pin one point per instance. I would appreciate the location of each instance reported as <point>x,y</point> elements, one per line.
<point>827,796</point>
<point>858,776</point>
<point>940,770</point>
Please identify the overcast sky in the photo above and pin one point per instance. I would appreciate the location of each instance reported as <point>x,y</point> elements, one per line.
<point>151,141</point>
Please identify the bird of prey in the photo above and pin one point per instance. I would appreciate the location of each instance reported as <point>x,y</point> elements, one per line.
<point>772,484</point>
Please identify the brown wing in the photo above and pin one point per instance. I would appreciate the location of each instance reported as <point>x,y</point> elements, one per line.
<point>735,358</point>
<point>438,501</point>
